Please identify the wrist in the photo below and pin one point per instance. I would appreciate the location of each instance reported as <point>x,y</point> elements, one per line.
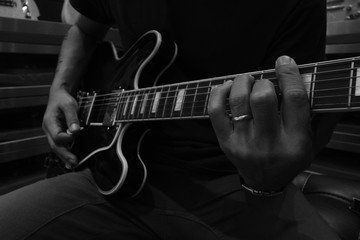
<point>62,87</point>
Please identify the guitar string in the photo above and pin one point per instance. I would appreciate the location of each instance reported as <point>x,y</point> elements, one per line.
<point>189,107</point>
<point>199,110</point>
<point>128,94</point>
<point>120,97</point>
<point>194,109</point>
<point>201,105</point>
<point>128,100</point>
<point>127,117</point>
<point>273,79</point>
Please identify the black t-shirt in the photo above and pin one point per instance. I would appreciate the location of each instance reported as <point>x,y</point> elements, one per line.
<point>214,38</point>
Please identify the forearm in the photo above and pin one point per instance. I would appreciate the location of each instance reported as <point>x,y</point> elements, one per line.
<point>76,50</point>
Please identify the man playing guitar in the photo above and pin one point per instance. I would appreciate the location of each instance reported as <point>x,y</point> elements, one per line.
<point>224,178</point>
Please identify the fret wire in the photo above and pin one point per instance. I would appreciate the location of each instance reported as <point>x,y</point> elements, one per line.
<point>207,98</point>
<point>126,104</point>
<point>120,103</point>
<point>351,81</point>
<point>159,104</point>
<point>156,111</point>
<point>183,100</point>
<point>144,102</point>
<point>128,108</point>
<point>132,102</point>
<point>138,105</point>
<point>141,104</point>
<point>115,110</point>
<point>174,102</point>
<point>158,100</point>
<point>155,104</point>
<point>170,96</point>
<point>152,101</point>
<point>166,99</point>
<point>193,102</point>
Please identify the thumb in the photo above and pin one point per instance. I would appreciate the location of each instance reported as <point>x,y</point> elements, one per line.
<point>72,120</point>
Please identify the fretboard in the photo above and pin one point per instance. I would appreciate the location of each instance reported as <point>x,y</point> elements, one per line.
<point>8,3</point>
<point>331,86</point>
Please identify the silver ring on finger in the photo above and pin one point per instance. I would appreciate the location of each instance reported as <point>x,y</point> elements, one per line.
<point>242,117</point>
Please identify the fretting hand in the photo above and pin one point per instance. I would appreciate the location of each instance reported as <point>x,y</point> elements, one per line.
<point>268,148</point>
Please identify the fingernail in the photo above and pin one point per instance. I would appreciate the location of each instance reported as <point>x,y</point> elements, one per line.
<point>69,132</point>
<point>74,127</point>
<point>68,166</point>
<point>283,60</point>
<point>72,161</point>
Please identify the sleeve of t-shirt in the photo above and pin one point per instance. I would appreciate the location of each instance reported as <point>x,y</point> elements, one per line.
<point>302,36</point>
<point>96,10</point>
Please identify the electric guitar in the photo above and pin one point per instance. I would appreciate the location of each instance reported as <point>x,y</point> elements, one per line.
<point>111,136</point>
<point>21,9</point>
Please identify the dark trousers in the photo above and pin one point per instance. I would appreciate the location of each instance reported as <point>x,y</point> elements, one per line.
<point>180,207</point>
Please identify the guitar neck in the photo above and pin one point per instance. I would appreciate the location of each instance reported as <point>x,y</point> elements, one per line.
<point>8,3</point>
<point>331,86</point>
